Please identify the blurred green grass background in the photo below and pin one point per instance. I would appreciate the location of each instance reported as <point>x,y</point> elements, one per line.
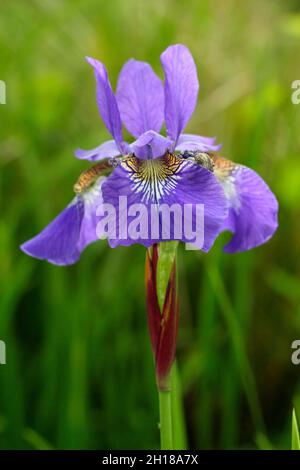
<point>79,370</point>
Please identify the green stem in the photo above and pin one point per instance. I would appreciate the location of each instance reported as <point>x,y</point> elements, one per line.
<point>166,425</point>
<point>167,254</point>
<point>178,420</point>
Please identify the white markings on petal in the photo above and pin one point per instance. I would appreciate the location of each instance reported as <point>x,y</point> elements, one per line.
<point>94,193</point>
<point>155,178</point>
<point>229,187</point>
<point>227,172</point>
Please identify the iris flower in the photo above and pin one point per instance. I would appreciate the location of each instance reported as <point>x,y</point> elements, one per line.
<point>157,169</point>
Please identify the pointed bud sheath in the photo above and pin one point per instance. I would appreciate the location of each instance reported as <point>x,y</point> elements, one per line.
<point>163,325</point>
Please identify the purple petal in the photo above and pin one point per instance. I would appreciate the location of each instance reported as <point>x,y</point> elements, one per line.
<point>200,186</point>
<point>195,138</point>
<point>181,88</point>
<point>108,149</point>
<point>92,200</point>
<point>151,145</point>
<point>57,243</point>
<point>253,208</point>
<point>140,98</point>
<point>107,103</point>
<point>63,240</point>
<point>200,146</point>
<point>168,181</point>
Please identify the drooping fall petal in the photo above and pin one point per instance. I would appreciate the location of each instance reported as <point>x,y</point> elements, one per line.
<point>253,208</point>
<point>169,183</point>
<point>62,241</point>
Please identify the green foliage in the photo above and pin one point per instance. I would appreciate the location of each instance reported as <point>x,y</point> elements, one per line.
<point>295,432</point>
<point>79,370</point>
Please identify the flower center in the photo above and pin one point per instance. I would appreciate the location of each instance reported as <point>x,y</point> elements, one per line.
<point>153,178</point>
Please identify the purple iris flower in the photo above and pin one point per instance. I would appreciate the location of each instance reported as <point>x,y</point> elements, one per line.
<point>157,170</point>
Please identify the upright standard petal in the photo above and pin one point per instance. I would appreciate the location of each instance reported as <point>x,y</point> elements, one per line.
<point>140,98</point>
<point>160,200</point>
<point>253,210</point>
<point>151,145</point>
<point>107,103</point>
<point>181,88</point>
<point>108,149</point>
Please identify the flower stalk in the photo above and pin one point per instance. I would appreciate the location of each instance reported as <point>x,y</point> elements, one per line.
<point>163,315</point>
<point>166,420</point>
